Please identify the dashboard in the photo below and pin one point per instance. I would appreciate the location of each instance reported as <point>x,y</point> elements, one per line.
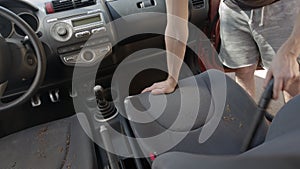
<point>83,32</point>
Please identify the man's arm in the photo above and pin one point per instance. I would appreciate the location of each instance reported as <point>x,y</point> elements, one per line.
<point>284,67</point>
<point>176,36</point>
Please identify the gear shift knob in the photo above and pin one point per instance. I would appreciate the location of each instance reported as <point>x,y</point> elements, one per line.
<point>99,93</point>
<point>106,109</point>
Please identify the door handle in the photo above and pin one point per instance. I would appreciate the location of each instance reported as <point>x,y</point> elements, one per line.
<point>146,4</point>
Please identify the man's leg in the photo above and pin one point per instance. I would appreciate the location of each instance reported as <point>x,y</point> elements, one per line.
<point>245,78</point>
<point>238,51</point>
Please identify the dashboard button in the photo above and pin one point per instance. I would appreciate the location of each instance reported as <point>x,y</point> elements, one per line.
<point>105,50</point>
<point>99,30</point>
<point>82,34</point>
<point>52,20</point>
<point>70,59</point>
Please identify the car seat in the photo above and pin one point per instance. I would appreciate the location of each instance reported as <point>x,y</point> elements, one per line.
<point>195,106</point>
<point>280,149</point>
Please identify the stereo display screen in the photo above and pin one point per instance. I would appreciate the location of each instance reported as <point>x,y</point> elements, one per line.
<point>85,21</point>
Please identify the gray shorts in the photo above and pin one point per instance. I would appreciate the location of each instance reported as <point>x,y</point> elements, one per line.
<point>248,36</point>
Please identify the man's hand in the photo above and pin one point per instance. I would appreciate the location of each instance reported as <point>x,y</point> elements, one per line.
<point>164,87</point>
<point>284,67</point>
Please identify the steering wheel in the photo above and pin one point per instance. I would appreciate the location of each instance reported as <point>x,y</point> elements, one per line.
<point>5,61</point>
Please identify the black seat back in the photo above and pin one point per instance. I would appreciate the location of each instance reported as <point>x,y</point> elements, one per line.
<point>209,102</point>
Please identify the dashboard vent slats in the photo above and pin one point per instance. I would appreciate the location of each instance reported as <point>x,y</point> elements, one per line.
<point>63,5</point>
<point>197,4</point>
<point>83,3</point>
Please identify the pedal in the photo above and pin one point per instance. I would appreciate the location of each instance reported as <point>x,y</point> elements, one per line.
<point>54,95</point>
<point>36,101</point>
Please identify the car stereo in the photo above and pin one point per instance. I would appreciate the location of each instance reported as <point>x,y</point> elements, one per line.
<point>63,30</point>
<point>74,32</point>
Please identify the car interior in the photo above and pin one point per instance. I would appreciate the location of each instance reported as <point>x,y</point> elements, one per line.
<point>71,77</point>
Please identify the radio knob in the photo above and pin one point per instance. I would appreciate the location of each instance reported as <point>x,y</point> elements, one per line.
<point>62,31</point>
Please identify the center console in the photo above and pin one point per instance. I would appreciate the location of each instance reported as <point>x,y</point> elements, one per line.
<point>81,37</point>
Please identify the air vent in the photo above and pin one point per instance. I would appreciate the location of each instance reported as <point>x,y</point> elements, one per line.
<point>63,5</point>
<point>197,4</point>
<point>83,3</point>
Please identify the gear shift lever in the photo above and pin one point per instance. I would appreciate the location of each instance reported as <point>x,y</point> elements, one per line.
<point>99,93</point>
<point>107,110</point>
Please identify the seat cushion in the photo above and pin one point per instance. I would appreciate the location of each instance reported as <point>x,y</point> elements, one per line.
<point>55,145</point>
<point>179,160</point>
<point>280,150</point>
